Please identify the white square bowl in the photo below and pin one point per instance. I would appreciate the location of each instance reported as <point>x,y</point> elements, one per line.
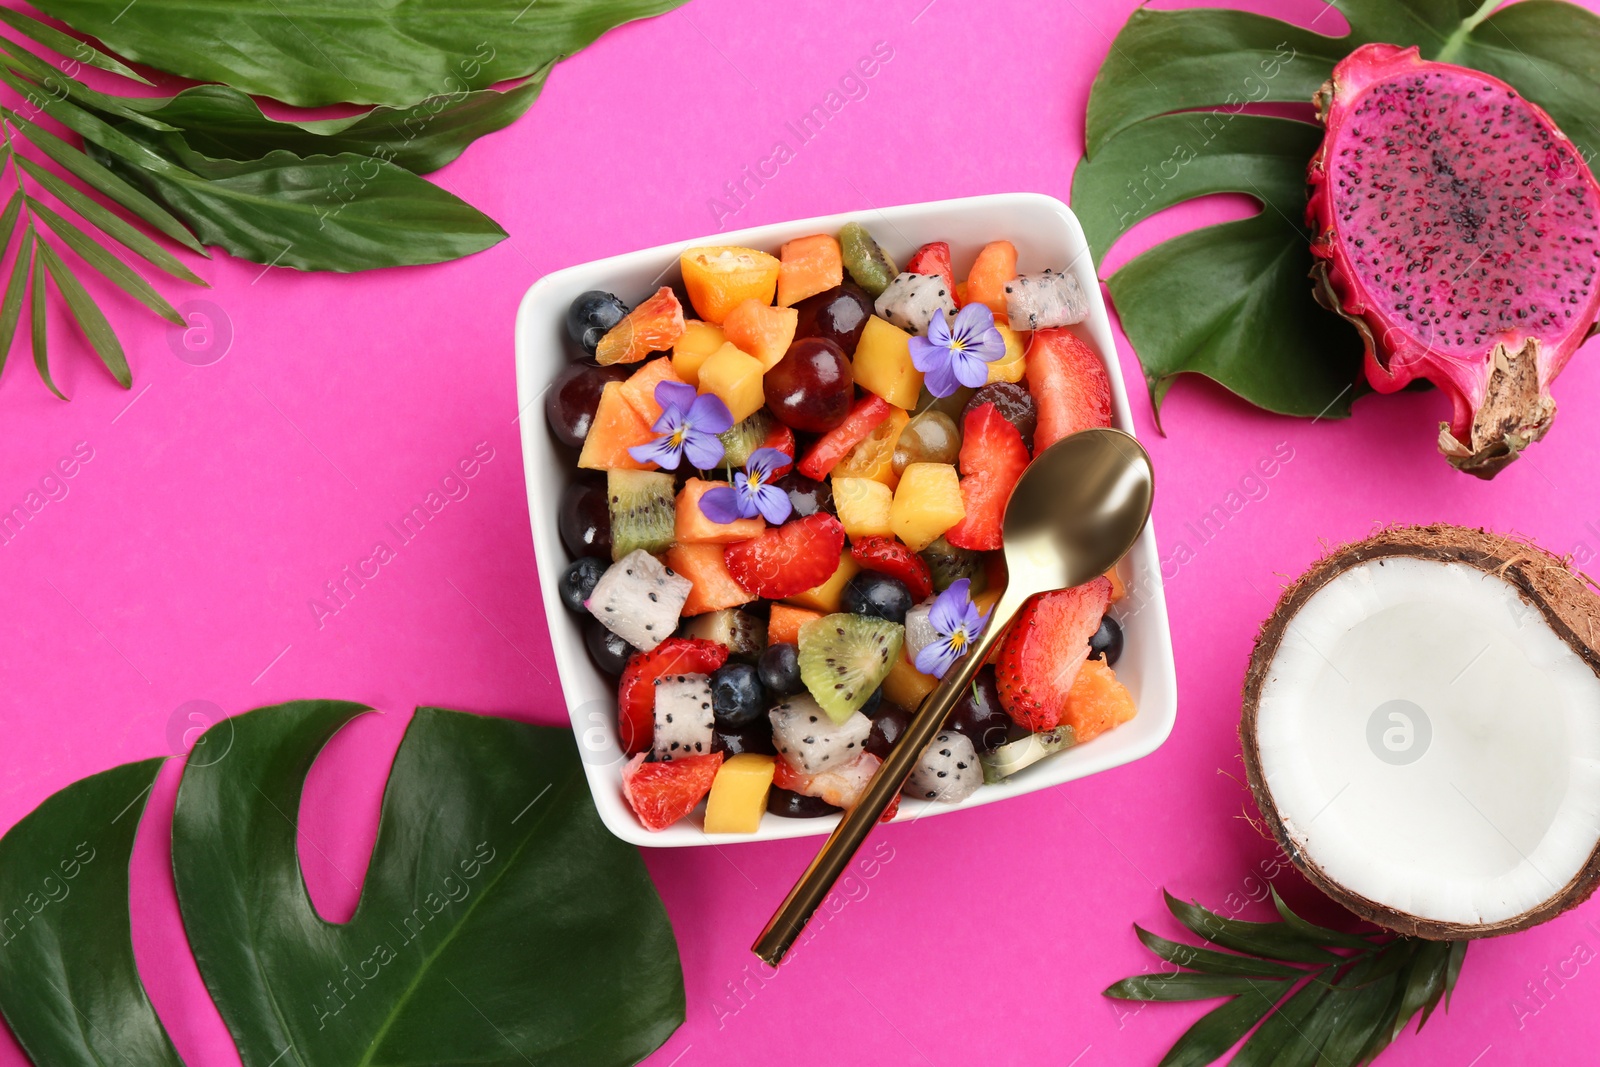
<point>1046,234</point>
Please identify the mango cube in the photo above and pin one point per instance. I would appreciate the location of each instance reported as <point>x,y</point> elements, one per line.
<point>735,378</point>
<point>828,596</point>
<point>927,502</point>
<point>883,364</point>
<point>863,506</point>
<point>906,687</point>
<point>739,794</point>
<point>1009,367</point>
<point>699,341</point>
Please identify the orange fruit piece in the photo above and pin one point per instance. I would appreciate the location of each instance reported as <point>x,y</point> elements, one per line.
<point>640,389</point>
<point>1097,701</point>
<point>711,586</point>
<point>721,277</point>
<point>783,626</point>
<point>615,429</point>
<point>653,326</point>
<point>762,330</point>
<point>986,282</point>
<point>694,526</point>
<point>810,265</point>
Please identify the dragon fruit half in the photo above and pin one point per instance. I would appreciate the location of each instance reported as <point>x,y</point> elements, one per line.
<point>1455,225</point>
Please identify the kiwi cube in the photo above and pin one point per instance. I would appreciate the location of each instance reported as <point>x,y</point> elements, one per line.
<point>643,511</point>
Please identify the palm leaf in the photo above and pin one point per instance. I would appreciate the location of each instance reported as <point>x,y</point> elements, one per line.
<point>90,319</point>
<point>40,332</point>
<point>115,271</point>
<point>16,287</point>
<point>56,41</point>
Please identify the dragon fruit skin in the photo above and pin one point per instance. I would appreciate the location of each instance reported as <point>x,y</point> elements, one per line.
<point>1463,248</point>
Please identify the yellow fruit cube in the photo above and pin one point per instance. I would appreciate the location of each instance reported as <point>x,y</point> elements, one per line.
<point>863,506</point>
<point>699,341</point>
<point>1009,367</point>
<point>906,687</point>
<point>828,596</point>
<point>883,364</point>
<point>927,502</point>
<point>739,794</point>
<point>735,378</point>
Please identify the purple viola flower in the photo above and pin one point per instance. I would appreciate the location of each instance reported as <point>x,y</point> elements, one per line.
<point>752,492</point>
<point>956,355</point>
<point>958,622</point>
<point>688,426</point>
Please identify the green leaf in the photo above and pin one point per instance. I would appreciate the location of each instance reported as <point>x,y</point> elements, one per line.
<point>224,123</point>
<point>91,320</point>
<point>115,271</point>
<point>1275,941</point>
<point>1357,1011</point>
<point>1213,962</point>
<point>69,46</point>
<point>110,223</point>
<point>1424,983</point>
<point>1283,1039</point>
<point>97,176</point>
<point>8,217</point>
<point>37,284</point>
<point>16,288</point>
<point>88,126</point>
<point>68,984</point>
<point>1312,932</point>
<point>1221,1028</point>
<point>1181,986</point>
<point>349,51</point>
<point>48,78</point>
<point>500,923</point>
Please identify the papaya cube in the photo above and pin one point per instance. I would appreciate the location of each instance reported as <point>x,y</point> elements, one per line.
<point>761,330</point>
<point>694,526</point>
<point>719,278</point>
<point>1011,366</point>
<point>711,586</point>
<point>863,506</point>
<point>699,340</point>
<point>927,502</point>
<point>883,364</point>
<point>986,281</point>
<point>828,596</point>
<point>783,626</point>
<point>810,265</point>
<point>640,388</point>
<point>615,429</point>
<point>734,377</point>
<point>1097,701</point>
<point>739,794</point>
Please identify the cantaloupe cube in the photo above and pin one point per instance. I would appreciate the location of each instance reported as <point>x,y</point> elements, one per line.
<point>735,378</point>
<point>1119,588</point>
<point>694,526</point>
<point>827,597</point>
<point>927,502</point>
<point>883,364</point>
<point>1097,701</point>
<point>616,428</point>
<point>739,794</point>
<point>783,625</point>
<point>1011,366</point>
<point>863,506</point>
<point>699,340</point>
<point>906,687</point>
<point>761,330</point>
<point>712,586</point>
<point>640,389</point>
<point>810,265</point>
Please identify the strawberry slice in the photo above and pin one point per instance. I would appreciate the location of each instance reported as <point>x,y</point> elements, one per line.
<point>834,445</point>
<point>781,438</point>
<point>934,258</point>
<point>787,559</point>
<point>662,793</point>
<point>886,555</point>
<point>1068,383</point>
<point>1041,654</point>
<point>636,692</point>
<point>992,458</point>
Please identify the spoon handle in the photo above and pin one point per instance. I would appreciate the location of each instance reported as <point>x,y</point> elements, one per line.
<point>809,892</point>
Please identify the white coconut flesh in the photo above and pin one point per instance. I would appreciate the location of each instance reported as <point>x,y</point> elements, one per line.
<point>1431,744</point>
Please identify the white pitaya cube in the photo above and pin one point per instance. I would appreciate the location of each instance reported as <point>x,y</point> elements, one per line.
<point>919,629</point>
<point>684,722</point>
<point>912,300</point>
<point>809,739</point>
<point>948,770</point>
<point>638,598</point>
<point>1040,301</point>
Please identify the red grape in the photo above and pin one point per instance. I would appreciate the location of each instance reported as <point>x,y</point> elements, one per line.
<point>812,386</point>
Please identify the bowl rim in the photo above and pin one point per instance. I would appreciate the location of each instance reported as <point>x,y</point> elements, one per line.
<point>1158,707</point>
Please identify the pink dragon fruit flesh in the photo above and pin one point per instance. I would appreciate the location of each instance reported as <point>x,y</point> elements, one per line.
<point>1455,225</point>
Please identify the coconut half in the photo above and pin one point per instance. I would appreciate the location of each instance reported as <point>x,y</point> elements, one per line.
<point>1421,731</point>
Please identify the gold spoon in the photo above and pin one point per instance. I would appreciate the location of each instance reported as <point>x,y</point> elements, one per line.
<point>1077,509</point>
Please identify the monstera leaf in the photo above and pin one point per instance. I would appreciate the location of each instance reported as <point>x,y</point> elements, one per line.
<point>499,924</point>
<point>1167,122</point>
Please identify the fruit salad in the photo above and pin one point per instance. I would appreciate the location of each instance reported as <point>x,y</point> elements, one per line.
<point>785,520</point>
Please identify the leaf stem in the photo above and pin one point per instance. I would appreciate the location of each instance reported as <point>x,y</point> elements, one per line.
<point>1452,44</point>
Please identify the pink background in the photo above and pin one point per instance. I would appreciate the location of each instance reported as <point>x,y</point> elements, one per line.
<point>220,498</point>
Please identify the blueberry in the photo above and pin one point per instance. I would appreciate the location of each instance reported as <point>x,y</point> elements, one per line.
<point>780,670</point>
<point>610,652</point>
<point>1107,642</point>
<point>736,696</point>
<point>757,738</point>
<point>874,703</point>
<point>578,581</point>
<point>878,595</point>
<point>591,315</point>
<point>792,805</point>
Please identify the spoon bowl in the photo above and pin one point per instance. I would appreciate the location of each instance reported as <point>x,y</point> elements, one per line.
<point>1076,510</point>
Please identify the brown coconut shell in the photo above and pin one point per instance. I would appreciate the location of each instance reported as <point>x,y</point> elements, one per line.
<point>1568,604</point>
